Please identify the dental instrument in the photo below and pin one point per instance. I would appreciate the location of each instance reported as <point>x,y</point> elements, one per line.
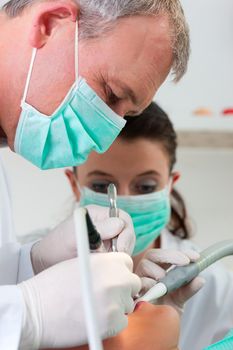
<point>182,275</point>
<point>113,210</point>
<point>95,242</point>
<point>91,319</point>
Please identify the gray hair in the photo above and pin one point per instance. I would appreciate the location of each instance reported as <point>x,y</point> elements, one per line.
<point>98,16</point>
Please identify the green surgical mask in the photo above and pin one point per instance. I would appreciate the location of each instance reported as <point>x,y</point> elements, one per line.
<point>150,213</point>
<point>81,124</point>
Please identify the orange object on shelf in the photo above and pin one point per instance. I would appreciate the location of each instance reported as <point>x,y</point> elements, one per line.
<point>203,112</point>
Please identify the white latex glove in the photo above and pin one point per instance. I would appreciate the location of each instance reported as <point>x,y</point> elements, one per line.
<point>153,267</point>
<point>54,315</point>
<point>60,245</point>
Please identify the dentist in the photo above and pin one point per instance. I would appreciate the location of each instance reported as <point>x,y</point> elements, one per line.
<point>69,72</point>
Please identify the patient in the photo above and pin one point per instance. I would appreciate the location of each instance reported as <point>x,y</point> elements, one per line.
<point>150,328</point>
<point>141,165</point>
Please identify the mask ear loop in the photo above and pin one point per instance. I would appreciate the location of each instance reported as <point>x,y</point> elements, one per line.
<point>76,51</point>
<point>169,185</point>
<point>79,187</point>
<point>34,52</point>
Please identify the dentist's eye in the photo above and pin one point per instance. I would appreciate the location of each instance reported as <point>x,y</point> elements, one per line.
<point>111,96</point>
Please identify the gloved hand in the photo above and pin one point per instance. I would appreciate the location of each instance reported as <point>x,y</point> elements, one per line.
<point>60,245</point>
<point>153,267</point>
<point>54,315</point>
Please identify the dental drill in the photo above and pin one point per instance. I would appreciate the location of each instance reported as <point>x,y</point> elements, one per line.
<point>182,275</point>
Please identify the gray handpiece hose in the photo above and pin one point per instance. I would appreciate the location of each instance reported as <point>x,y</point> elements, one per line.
<point>181,276</point>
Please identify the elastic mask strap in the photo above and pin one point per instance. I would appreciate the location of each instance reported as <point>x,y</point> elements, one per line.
<point>79,186</point>
<point>76,51</point>
<point>34,52</point>
<point>169,185</point>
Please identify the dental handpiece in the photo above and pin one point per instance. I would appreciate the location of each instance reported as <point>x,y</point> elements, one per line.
<point>113,210</point>
<point>182,275</point>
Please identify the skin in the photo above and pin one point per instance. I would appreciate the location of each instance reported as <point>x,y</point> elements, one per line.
<point>151,173</point>
<point>136,53</point>
<point>150,320</point>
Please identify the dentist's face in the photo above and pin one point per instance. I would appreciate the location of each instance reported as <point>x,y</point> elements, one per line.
<point>125,67</point>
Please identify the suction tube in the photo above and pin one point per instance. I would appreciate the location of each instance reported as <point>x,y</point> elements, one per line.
<point>91,317</point>
<point>182,275</point>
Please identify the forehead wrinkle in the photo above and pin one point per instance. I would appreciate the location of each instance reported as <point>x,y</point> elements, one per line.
<point>149,87</point>
<point>139,57</point>
<point>125,87</point>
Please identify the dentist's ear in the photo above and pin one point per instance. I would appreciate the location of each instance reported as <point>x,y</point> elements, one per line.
<point>48,17</point>
<point>73,183</point>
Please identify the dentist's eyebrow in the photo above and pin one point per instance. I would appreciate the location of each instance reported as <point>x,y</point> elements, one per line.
<point>127,90</point>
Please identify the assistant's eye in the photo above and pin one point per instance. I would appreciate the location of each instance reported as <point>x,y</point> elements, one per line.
<point>146,186</point>
<point>100,186</point>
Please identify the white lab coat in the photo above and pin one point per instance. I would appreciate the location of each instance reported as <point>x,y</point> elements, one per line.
<point>15,266</point>
<point>208,316</point>
<point>3,2</point>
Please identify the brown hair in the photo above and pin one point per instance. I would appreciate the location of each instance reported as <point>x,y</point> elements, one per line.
<point>154,124</point>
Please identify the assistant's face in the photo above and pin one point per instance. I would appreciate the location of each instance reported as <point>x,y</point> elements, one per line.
<point>137,167</point>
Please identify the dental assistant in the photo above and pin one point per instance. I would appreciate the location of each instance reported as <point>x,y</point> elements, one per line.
<point>145,185</point>
<point>64,89</point>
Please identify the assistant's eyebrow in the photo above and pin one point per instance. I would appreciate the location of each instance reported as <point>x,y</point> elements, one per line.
<point>98,173</point>
<point>150,172</point>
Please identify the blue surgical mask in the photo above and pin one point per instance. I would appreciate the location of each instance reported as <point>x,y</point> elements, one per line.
<point>150,213</point>
<point>81,124</point>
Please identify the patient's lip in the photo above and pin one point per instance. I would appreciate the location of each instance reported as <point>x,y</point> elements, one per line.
<point>138,305</point>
